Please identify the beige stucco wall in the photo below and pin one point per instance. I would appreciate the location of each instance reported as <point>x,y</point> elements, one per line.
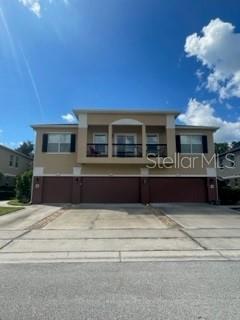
<point>54,163</point>
<point>95,129</point>
<point>123,169</point>
<point>207,132</point>
<point>23,162</point>
<point>108,118</point>
<point>155,123</point>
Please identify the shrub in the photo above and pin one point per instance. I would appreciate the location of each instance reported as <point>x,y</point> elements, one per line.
<point>23,186</point>
<point>228,195</point>
<point>7,193</point>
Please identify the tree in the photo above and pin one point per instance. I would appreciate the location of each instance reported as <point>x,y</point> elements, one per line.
<point>23,186</point>
<point>221,147</point>
<point>26,148</point>
<point>235,144</point>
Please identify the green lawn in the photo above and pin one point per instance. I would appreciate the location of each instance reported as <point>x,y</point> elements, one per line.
<point>6,210</point>
<point>15,202</point>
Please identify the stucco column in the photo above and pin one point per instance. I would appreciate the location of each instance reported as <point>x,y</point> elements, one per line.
<point>170,136</point>
<point>110,141</point>
<point>82,143</point>
<point>144,141</point>
<point>82,136</point>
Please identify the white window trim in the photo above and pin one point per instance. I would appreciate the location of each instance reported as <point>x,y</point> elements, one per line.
<point>155,134</point>
<point>53,153</point>
<point>191,153</point>
<point>126,134</point>
<point>100,133</point>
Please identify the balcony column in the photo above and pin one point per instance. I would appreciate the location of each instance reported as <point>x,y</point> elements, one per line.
<point>170,136</point>
<point>109,141</point>
<point>144,141</point>
<point>82,136</point>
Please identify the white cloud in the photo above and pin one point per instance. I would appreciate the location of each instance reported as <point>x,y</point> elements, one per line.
<point>218,49</point>
<point>11,145</point>
<point>68,117</point>
<point>202,113</point>
<point>33,5</point>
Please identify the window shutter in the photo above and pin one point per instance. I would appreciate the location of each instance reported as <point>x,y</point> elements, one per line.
<point>44,142</point>
<point>73,143</point>
<point>178,144</point>
<point>205,144</point>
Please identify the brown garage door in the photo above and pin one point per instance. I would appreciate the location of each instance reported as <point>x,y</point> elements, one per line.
<point>178,190</point>
<point>110,190</point>
<point>57,190</point>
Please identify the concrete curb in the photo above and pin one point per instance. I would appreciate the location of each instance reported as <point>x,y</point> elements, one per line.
<point>120,257</point>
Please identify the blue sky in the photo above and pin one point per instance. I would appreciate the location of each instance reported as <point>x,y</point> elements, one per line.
<point>56,55</point>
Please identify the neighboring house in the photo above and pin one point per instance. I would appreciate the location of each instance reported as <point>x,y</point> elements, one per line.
<point>229,167</point>
<point>12,163</point>
<point>107,157</point>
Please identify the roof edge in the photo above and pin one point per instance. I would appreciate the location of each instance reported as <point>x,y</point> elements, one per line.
<point>76,111</point>
<point>196,127</point>
<point>54,125</point>
<point>237,149</point>
<point>17,152</point>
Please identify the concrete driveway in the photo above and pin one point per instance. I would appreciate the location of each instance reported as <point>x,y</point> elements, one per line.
<point>120,233</point>
<point>202,216</point>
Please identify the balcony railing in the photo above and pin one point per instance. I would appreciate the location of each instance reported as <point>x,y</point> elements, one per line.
<point>157,150</point>
<point>127,150</point>
<point>97,150</point>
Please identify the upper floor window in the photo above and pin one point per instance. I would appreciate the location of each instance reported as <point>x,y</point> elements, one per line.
<point>11,160</point>
<point>152,144</point>
<point>100,138</point>
<point>152,138</point>
<point>16,162</point>
<point>192,144</point>
<point>59,142</point>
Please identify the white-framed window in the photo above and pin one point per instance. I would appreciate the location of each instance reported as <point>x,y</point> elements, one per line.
<point>100,143</point>
<point>125,145</point>
<point>152,138</point>
<point>59,142</point>
<point>152,143</point>
<point>191,144</point>
<point>100,138</point>
<point>11,158</point>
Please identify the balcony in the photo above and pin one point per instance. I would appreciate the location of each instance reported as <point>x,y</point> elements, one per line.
<point>157,150</point>
<point>123,150</point>
<point>97,150</point>
<point>126,150</point>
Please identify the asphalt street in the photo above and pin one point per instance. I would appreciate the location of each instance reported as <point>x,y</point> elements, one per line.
<point>201,290</point>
